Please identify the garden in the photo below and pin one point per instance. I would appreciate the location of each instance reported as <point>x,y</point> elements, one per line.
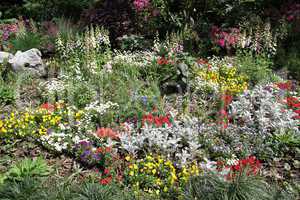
<point>149,99</point>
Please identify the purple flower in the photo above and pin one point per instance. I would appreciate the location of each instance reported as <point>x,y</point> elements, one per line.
<point>49,131</point>
<point>85,154</point>
<point>85,143</point>
<point>96,157</point>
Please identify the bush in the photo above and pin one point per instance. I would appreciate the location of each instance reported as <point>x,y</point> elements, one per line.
<point>44,9</point>
<point>256,67</point>
<point>26,41</point>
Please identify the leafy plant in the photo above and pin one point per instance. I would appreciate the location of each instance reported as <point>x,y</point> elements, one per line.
<point>256,67</point>
<point>26,41</point>
<point>96,191</point>
<point>213,187</point>
<point>27,189</point>
<point>209,187</point>
<point>7,93</point>
<point>28,168</point>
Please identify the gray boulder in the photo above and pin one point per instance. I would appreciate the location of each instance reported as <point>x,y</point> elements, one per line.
<point>29,61</point>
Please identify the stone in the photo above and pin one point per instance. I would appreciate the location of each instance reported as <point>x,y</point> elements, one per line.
<point>5,56</point>
<point>29,61</point>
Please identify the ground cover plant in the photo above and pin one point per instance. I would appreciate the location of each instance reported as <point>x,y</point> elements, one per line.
<point>195,100</point>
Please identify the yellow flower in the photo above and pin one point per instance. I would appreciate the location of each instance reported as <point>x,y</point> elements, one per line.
<point>154,171</point>
<point>165,189</point>
<point>127,158</point>
<point>3,130</point>
<point>79,114</point>
<point>158,182</point>
<point>131,173</point>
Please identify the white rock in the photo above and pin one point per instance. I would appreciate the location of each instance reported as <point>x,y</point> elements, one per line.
<point>28,61</point>
<point>5,56</point>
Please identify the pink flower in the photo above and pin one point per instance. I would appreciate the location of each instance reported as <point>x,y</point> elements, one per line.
<point>290,18</point>
<point>141,4</point>
<point>221,42</point>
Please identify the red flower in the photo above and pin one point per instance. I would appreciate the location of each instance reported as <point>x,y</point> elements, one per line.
<point>104,150</point>
<point>202,61</point>
<point>297,111</point>
<point>106,181</point>
<point>251,164</point>
<point>221,42</point>
<point>106,171</point>
<point>296,117</point>
<point>48,106</point>
<point>162,61</point>
<point>223,113</point>
<point>285,86</point>
<point>293,102</point>
<point>157,121</point>
<point>166,120</point>
<point>226,99</point>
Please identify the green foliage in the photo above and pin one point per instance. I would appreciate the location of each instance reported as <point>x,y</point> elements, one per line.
<point>288,51</point>
<point>44,9</point>
<point>26,41</point>
<point>289,139</point>
<point>28,168</point>
<point>7,93</point>
<point>27,189</point>
<point>33,189</point>
<point>79,93</point>
<point>132,43</point>
<point>256,67</point>
<point>213,187</point>
<point>290,60</point>
<point>209,187</point>
<point>96,191</point>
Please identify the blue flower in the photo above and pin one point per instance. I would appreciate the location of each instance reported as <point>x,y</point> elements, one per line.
<point>144,100</point>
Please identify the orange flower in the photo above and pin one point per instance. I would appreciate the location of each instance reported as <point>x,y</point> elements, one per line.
<point>107,133</point>
<point>104,150</point>
<point>162,61</point>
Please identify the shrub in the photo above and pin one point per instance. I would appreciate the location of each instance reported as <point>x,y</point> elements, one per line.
<point>44,9</point>
<point>256,67</point>
<point>26,41</point>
